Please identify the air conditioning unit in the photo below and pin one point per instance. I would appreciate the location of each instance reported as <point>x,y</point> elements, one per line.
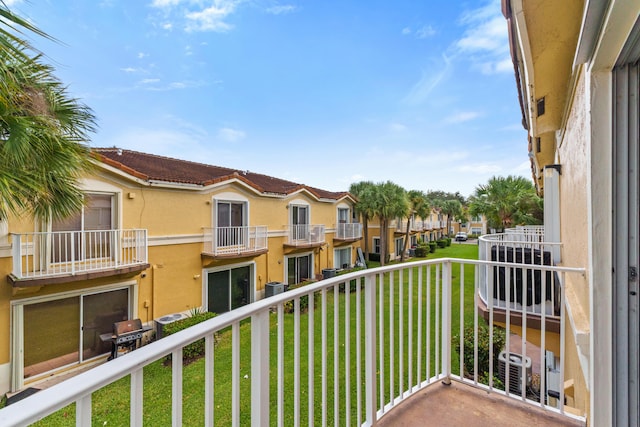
<point>517,363</point>
<point>273,288</point>
<point>165,320</point>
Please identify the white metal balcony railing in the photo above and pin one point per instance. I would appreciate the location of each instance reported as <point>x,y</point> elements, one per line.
<point>235,240</point>
<point>339,358</point>
<point>46,254</point>
<point>305,234</point>
<point>525,287</point>
<point>347,231</point>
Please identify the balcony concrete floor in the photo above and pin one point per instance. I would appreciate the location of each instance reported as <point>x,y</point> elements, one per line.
<point>462,405</point>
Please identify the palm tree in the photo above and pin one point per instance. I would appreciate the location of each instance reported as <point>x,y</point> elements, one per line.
<point>43,131</point>
<point>417,208</point>
<point>391,203</point>
<point>452,208</point>
<point>364,192</point>
<point>506,201</point>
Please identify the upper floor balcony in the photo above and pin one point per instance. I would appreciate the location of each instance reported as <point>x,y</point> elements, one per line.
<point>43,258</point>
<point>235,242</point>
<point>523,285</point>
<point>318,355</point>
<point>305,235</point>
<point>348,232</point>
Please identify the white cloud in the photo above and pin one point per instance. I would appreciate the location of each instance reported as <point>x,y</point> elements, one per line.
<point>149,81</point>
<point>428,82</point>
<point>406,31</point>
<point>231,135</point>
<point>142,55</point>
<point>281,9</point>
<point>463,116</point>
<point>167,26</point>
<point>166,3</point>
<point>485,40</point>
<point>212,18</point>
<point>131,70</point>
<point>397,127</point>
<point>424,32</point>
<point>480,168</point>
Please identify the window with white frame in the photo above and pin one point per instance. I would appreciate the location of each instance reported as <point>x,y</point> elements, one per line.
<point>343,215</point>
<point>229,288</point>
<point>342,257</point>
<point>231,217</point>
<point>299,268</point>
<point>476,230</point>
<point>414,240</point>
<point>299,222</point>
<point>376,245</point>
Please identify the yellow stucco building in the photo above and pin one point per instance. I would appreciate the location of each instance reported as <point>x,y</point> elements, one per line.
<point>578,80</point>
<point>157,236</point>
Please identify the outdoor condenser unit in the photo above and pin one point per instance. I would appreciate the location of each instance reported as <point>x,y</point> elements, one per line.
<point>517,363</point>
<point>165,320</point>
<point>273,288</point>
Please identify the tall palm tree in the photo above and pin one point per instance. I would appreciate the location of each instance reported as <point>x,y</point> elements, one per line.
<point>364,191</point>
<point>417,208</point>
<point>506,201</point>
<point>43,131</point>
<point>391,203</point>
<point>452,208</point>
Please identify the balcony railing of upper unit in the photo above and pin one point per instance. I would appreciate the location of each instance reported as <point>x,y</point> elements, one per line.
<point>525,287</point>
<point>318,355</point>
<point>235,240</point>
<point>57,253</point>
<point>348,231</point>
<point>306,234</point>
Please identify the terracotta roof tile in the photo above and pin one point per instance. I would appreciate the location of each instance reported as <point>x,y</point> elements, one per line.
<point>153,167</point>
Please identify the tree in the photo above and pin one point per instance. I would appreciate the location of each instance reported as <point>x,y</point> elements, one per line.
<point>449,204</point>
<point>43,131</point>
<point>364,192</point>
<point>417,207</point>
<point>452,208</point>
<point>391,203</point>
<point>506,202</point>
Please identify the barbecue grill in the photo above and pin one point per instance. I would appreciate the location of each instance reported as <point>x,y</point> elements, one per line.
<point>126,336</point>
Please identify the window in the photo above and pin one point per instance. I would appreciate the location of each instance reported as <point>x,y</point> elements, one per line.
<point>300,222</point>
<point>476,230</point>
<point>476,218</point>
<point>399,246</point>
<point>376,245</point>
<point>299,269</point>
<point>343,215</point>
<point>228,289</point>
<point>58,332</point>
<point>342,258</point>
<point>414,240</point>
<point>94,221</point>
<point>230,219</point>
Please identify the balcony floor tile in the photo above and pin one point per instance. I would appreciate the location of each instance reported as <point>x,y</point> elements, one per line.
<point>463,405</point>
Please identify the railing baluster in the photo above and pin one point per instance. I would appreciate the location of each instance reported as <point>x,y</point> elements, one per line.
<point>419,321</point>
<point>336,355</point>
<point>260,369</point>
<point>311,361</point>
<point>209,385</point>
<point>296,362</point>
<point>446,322</point>
<point>392,368</point>
<point>347,352</point>
<point>401,333</point>
<point>235,372</point>
<point>381,330</point>
<point>280,402</point>
<point>324,353</point>
<point>136,406</point>
<point>176,388</point>
<point>370,349</point>
<point>83,411</point>
<point>359,350</point>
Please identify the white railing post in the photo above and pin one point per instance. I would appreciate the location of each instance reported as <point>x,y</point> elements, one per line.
<point>16,253</point>
<point>73,253</point>
<point>446,323</point>
<point>83,411</point>
<point>260,369</point>
<point>370,350</point>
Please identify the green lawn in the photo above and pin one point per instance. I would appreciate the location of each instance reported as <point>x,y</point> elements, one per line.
<point>111,404</point>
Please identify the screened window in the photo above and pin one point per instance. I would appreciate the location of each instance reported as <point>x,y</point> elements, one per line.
<point>343,215</point>
<point>376,245</point>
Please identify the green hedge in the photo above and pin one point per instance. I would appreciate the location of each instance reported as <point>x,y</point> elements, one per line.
<point>193,350</point>
<point>499,339</point>
<point>433,246</point>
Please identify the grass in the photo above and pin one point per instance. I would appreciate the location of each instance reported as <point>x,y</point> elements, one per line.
<point>111,404</point>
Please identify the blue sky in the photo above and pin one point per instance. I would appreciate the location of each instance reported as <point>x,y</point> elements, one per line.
<point>324,93</point>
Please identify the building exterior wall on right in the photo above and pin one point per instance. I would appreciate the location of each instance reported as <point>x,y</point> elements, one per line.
<point>578,80</point>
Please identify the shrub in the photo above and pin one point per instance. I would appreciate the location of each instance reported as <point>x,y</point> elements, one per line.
<point>483,351</point>
<point>447,241</point>
<point>196,349</point>
<point>433,246</point>
<point>442,243</point>
<point>422,250</point>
